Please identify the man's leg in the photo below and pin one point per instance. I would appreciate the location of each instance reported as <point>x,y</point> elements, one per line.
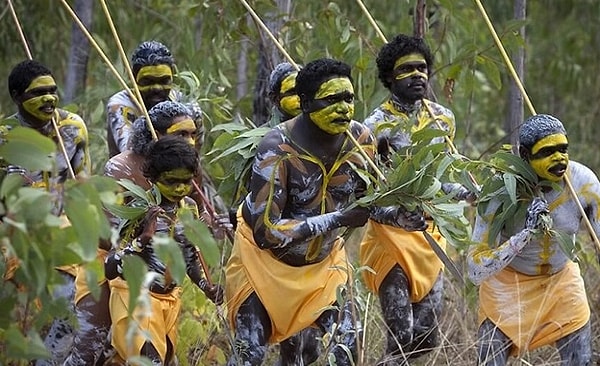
<point>397,312</point>
<point>344,340</point>
<point>303,348</point>
<point>59,339</point>
<point>91,339</point>
<point>252,332</point>
<point>576,348</point>
<point>493,345</point>
<point>426,314</point>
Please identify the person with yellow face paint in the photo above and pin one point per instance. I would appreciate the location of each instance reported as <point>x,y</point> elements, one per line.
<point>531,292</point>
<point>171,165</point>
<point>287,260</point>
<point>35,93</point>
<point>153,67</point>
<point>168,118</point>
<point>407,274</point>
<point>281,90</point>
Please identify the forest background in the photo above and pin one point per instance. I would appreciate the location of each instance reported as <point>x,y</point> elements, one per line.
<point>224,60</point>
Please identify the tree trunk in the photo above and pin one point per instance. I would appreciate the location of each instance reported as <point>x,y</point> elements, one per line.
<point>79,52</point>
<point>420,18</point>
<point>269,57</point>
<point>515,105</point>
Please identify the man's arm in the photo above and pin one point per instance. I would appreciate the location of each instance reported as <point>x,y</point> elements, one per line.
<point>268,197</point>
<point>483,260</point>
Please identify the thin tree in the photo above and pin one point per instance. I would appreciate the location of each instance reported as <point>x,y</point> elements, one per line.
<point>79,52</point>
<point>515,97</point>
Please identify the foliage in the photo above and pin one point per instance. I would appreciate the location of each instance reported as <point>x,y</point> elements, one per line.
<point>216,41</point>
<point>413,179</point>
<point>35,242</point>
<point>235,147</point>
<point>509,182</point>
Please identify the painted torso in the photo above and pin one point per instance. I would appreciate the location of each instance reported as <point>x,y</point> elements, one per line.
<point>545,255</point>
<point>297,185</point>
<point>74,135</point>
<point>388,115</point>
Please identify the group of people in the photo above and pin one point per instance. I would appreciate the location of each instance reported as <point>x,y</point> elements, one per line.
<point>288,276</point>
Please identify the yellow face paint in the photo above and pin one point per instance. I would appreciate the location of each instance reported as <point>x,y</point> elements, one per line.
<point>185,128</point>
<point>156,71</point>
<point>41,82</point>
<point>44,99</point>
<point>549,157</point>
<point>290,103</point>
<point>158,77</point>
<point>175,184</point>
<point>337,97</point>
<point>414,58</point>
<point>288,83</point>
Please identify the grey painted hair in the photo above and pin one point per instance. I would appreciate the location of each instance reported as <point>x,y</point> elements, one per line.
<point>280,72</point>
<point>537,127</point>
<point>162,116</point>
<point>151,53</point>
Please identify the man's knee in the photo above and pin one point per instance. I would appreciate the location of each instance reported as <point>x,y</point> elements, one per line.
<point>493,345</point>
<point>576,348</point>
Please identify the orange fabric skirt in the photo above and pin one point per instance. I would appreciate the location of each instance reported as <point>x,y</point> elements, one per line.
<point>155,324</point>
<point>294,297</point>
<point>384,246</point>
<point>534,311</point>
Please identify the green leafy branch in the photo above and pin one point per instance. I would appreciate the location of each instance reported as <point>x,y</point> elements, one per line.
<point>413,179</point>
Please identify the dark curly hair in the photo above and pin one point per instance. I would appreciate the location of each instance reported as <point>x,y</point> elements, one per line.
<point>23,74</point>
<point>401,45</point>
<point>170,153</point>
<point>151,53</point>
<point>311,76</point>
<point>162,116</point>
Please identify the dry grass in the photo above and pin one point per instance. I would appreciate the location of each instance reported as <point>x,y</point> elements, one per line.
<point>458,324</point>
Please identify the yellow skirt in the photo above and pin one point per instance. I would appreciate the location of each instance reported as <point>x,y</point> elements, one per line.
<point>384,246</point>
<point>154,325</point>
<point>81,286</point>
<point>534,311</point>
<point>294,297</point>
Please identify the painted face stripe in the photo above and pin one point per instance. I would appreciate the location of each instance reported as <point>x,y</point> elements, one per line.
<point>157,71</point>
<point>186,124</point>
<point>41,81</point>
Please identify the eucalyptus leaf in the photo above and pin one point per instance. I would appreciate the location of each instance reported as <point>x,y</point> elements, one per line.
<point>28,149</point>
<point>198,233</point>
<point>134,271</point>
<point>169,253</point>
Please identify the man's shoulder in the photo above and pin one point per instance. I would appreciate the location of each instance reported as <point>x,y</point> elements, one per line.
<point>438,109</point>
<point>376,115</point>
<point>581,173</point>
<point>71,119</point>
<point>361,132</point>
<point>122,165</point>
<point>120,98</point>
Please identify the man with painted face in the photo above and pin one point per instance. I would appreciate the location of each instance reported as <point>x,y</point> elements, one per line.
<point>531,293</point>
<point>168,118</point>
<point>171,165</point>
<point>287,259</point>
<point>34,91</point>
<point>281,90</point>
<point>153,67</point>
<point>407,273</point>
<point>32,88</point>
